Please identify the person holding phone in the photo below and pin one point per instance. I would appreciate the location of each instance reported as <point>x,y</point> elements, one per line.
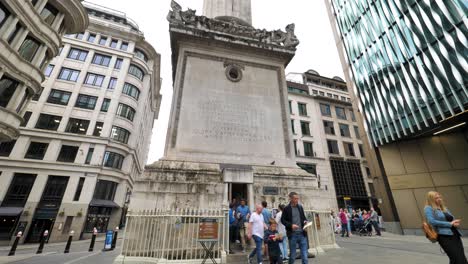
<point>446,226</point>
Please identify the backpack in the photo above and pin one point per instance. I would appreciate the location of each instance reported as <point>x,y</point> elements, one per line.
<point>431,234</point>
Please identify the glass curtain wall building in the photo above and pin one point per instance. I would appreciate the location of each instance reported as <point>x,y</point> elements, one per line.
<point>408,62</point>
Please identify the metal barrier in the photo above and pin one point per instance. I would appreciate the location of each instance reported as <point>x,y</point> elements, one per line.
<point>170,236</point>
<point>321,235</point>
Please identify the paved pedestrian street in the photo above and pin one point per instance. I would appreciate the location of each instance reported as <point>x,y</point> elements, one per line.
<point>388,249</point>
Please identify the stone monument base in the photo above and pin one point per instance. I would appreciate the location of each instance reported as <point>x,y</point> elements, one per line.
<point>181,184</point>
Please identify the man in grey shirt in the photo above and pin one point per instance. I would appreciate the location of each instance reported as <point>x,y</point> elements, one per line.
<point>374,218</point>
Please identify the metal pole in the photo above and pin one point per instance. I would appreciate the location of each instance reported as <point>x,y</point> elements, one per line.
<point>114,239</point>
<point>15,244</point>
<point>43,239</point>
<point>70,238</point>
<point>93,240</point>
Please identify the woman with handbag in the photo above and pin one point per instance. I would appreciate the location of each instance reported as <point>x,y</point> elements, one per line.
<point>446,226</point>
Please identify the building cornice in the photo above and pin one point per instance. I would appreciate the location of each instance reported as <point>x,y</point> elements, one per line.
<point>76,16</point>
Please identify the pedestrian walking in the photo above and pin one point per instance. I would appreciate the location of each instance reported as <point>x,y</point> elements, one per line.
<point>243,214</point>
<point>256,231</point>
<point>282,232</point>
<point>446,226</point>
<point>348,217</point>
<point>374,219</point>
<point>233,226</point>
<point>273,240</point>
<point>293,218</point>
<point>344,223</point>
<point>266,218</point>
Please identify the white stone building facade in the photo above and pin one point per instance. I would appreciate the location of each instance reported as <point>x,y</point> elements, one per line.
<point>86,134</point>
<point>326,137</point>
<point>30,36</point>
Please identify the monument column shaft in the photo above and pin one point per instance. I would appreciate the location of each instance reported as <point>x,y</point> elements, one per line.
<point>228,8</point>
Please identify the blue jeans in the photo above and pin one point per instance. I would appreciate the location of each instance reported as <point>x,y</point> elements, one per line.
<point>258,249</point>
<point>294,239</point>
<point>284,247</point>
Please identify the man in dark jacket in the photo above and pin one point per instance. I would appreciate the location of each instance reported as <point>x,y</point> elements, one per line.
<point>293,218</point>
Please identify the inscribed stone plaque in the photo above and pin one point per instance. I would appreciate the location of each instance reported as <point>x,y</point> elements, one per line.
<point>230,121</point>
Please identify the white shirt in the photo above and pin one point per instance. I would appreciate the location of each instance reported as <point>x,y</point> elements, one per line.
<point>281,227</point>
<point>257,224</point>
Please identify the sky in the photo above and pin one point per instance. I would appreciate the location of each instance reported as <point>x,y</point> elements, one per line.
<point>316,51</point>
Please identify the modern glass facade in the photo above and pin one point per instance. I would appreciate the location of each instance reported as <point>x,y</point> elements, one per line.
<point>408,60</point>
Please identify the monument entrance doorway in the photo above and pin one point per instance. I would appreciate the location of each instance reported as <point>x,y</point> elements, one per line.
<point>238,191</point>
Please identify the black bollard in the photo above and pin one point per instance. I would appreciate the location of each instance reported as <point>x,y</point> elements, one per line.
<point>43,239</point>
<point>93,240</point>
<point>114,238</point>
<point>70,238</point>
<point>15,244</point>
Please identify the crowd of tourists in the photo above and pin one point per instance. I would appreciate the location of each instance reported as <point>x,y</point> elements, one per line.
<point>270,232</point>
<point>356,222</point>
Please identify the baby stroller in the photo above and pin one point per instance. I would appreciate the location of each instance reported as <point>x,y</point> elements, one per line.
<point>365,228</point>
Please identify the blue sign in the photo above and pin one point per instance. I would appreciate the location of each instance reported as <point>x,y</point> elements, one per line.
<point>108,241</point>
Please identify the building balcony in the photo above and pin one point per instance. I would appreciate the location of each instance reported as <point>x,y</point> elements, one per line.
<point>9,125</point>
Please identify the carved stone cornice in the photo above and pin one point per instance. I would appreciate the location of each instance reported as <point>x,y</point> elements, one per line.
<point>231,31</point>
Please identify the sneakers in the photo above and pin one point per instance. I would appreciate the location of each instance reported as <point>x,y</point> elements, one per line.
<point>237,242</point>
<point>249,260</point>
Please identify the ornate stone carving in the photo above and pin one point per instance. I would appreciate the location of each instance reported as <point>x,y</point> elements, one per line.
<point>177,17</point>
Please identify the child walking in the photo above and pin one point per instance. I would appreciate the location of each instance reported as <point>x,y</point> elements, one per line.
<point>272,240</point>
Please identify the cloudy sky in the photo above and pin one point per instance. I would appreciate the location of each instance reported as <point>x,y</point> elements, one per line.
<point>316,51</point>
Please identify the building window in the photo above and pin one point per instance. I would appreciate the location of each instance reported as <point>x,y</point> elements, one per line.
<point>321,93</point>
<point>48,70</point>
<point>305,130</point>
<point>330,95</point>
<point>295,147</point>
<point>86,101</point>
<point>24,99</point>
<point>126,111</point>
<point>37,95</point>
<point>105,105</point>
<point>102,60</point>
<point>79,188</point>
<point>77,54</point>
<point>14,33</point>
<point>136,71</point>
<point>29,48</point>
<point>140,54</point>
<point>69,74</point>
<point>325,109</point>
<point>112,83</point>
<point>349,149</point>
<point>131,90</point>
<point>19,190</point>
<point>340,113</point>
<point>94,79</point>
<point>91,37</point>
<point>113,160</point>
<point>353,117</point>
<point>292,127</point>
<point>48,122</point>
<point>290,107</point>
<point>310,168</point>
<point>302,109</point>
<point>344,130</point>
<point>120,134</point>
<point>80,35</point>
<point>6,148</point>
<point>356,132</point>
<point>308,149</point>
<point>333,147</point>
<point>343,98</point>
<point>105,190</point>
<point>348,179</point>
<point>67,153</point>
<point>124,46</point>
<point>113,43</point>
<point>102,40</point>
<point>26,117</point>
<point>98,129</point>
<point>36,150</point>
<point>7,89</point>
<point>77,126</point>
<point>329,127</point>
<point>98,217</point>
<point>59,97</point>
<point>361,151</point>
<point>4,14</point>
<point>315,92</point>
<point>48,14</point>
<point>89,156</point>
<point>118,64</point>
